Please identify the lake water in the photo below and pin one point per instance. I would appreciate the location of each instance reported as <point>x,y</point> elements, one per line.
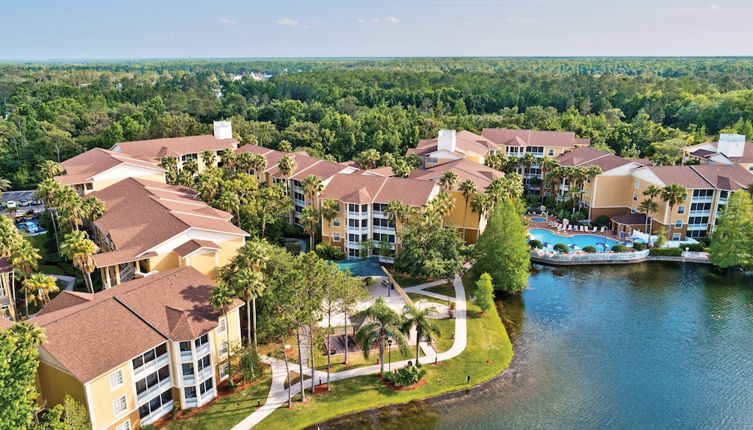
<point>649,346</point>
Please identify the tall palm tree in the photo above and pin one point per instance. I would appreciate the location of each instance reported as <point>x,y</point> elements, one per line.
<point>24,258</point>
<point>310,221</point>
<point>92,208</point>
<point>221,299</point>
<point>208,158</point>
<point>227,158</point>
<point>448,179</point>
<point>468,189</point>
<point>258,164</point>
<point>4,185</point>
<point>170,164</point>
<point>380,323</point>
<point>312,186</point>
<point>426,329</point>
<point>254,254</point>
<point>9,236</point>
<point>329,210</point>
<point>230,202</point>
<point>287,166</point>
<point>244,161</point>
<point>482,203</point>
<point>68,205</point>
<point>649,206</point>
<point>397,214</point>
<point>191,166</point>
<point>37,289</point>
<point>673,195</point>
<point>79,249</point>
<point>249,284</point>
<point>547,164</point>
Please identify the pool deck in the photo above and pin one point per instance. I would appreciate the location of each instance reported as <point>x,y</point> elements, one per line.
<point>543,225</point>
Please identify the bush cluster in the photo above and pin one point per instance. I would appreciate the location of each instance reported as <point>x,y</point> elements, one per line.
<point>638,246</point>
<point>589,249</point>
<point>665,252</point>
<point>535,243</point>
<point>561,247</point>
<point>405,376</point>
<point>620,248</point>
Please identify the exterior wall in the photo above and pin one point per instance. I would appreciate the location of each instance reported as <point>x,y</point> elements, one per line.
<point>53,384</point>
<point>229,249</point>
<point>610,192</point>
<point>219,338</point>
<point>329,228</point>
<point>101,398</point>
<point>164,262</point>
<point>458,214</point>
<point>206,264</point>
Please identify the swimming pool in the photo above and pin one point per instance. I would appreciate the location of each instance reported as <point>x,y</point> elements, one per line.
<point>538,219</point>
<point>580,241</point>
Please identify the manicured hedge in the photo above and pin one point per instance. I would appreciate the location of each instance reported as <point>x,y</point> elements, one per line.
<point>637,246</point>
<point>620,248</point>
<point>561,247</point>
<point>535,243</point>
<point>695,247</point>
<point>665,252</point>
<point>589,249</point>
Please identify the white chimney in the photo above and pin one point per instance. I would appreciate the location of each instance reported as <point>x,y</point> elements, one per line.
<point>446,140</point>
<point>731,145</point>
<point>223,130</point>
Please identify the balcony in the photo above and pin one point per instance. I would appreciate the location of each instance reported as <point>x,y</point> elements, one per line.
<point>357,230</point>
<point>359,215</point>
<point>698,226</point>
<point>157,413</point>
<point>186,356</point>
<point>387,230</point>
<point>707,199</point>
<point>205,373</point>
<point>153,365</point>
<point>706,212</point>
<point>379,214</point>
<point>208,395</point>
<point>160,387</point>
<point>353,245</point>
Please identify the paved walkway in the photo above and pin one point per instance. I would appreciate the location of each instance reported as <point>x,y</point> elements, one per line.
<point>69,281</point>
<point>278,393</point>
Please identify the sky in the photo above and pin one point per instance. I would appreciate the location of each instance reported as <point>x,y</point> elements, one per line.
<point>117,29</point>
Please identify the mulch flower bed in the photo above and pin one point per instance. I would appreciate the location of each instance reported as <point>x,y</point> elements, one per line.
<point>415,386</point>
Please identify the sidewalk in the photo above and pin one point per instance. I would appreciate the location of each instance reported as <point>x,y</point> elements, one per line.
<point>278,394</point>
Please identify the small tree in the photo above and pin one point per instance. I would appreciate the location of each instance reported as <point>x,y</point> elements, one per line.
<point>18,367</point>
<point>484,293</point>
<point>732,240</point>
<point>502,250</point>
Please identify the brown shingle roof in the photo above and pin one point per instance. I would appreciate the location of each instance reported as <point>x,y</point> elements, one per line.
<point>747,156</point>
<point>378,189</point>
<point>194,245</point>
<point>630,219</point>
<point>83,167</point>
<point>726,177</point>
<point>586,157</point>
<point>176,146</point>
<point>115,325</point>
<point>5,265</point>
<point>511,137</point>
<point>479,174</point>
<point>141,214</point>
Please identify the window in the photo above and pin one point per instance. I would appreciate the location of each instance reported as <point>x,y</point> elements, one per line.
<point>157,402</point>
<point>551,152</point>
<point>723,194</point>
<point>224,370</point>
<point>336,222</point>
<point>354,208</point>
<point>222,325</point>
<point>379,207</point>
<point>149,357</point>
<point>116,379</point>
<point>635,197</point>
<point>223,348</point>
<point>187,368</point>
<point>703,193</point>
<point>678,223</point>
<point>190,392</point>
<point>206,386</point>
<point>119,406</point>
<point>126,425</point>
<point>637,185</point>
<point>185,346</point>
<point>698,220</point>
<point>152,380</point>
<point>681,210</point>
<point>201,341</point>
<point>676,236</point>
<point>336,237</point>
<point>204,362</point>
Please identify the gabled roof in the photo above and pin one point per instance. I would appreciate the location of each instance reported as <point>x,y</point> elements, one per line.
<point>84,167</point>
<point>175,146</point>
<point>586,157</point>
<point>479,174</point>
<point>378,189</point>
<point>466,142</point>
<point>746,157</point>
<point>194,245</point>
<point>512,137</point>
<point>141,214</point>
<point>305,165</point>
<point>99,332</point>
<point>724,177</point>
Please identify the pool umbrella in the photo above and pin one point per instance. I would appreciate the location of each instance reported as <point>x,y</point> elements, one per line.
<point>603,245</point>
<point>545,244</point>
<point>574,246</point>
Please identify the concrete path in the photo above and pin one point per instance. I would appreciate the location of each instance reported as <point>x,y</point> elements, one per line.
<point>302,243</point>
<point>69,281</point>
<point>278,394</point>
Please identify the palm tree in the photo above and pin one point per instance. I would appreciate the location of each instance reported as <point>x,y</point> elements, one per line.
<point>92,208</point>
<point>24,258</point>
<point>481,203</point>
<point>547,164</point>
<point>79,249</point>
<point>468,189</point>
<point>4,185</point>
<point>258,164</point>
<point>249,284</point>
<point>244,161</point>
<point>170,164</point>
<point>287,166</point>
<point>649,206</point>
<point>329,210</point>
<point>369,159</point>
<point>673,194</point>
<point>68,204</point>
<point>221,299</point>
<point>37,289</point>
<point>312,186</point>
<point>227,158</point>
<point>310,221</point>
<point>426,329</point>
<point>442,204</point>
<point>255,255</point>
<point>448,179</point>
<point>397,213</point>
<point>380,323</point>
<point>574,194</point>
<point>191,166</point>
<point>208,158</point>
<point>230,202</point>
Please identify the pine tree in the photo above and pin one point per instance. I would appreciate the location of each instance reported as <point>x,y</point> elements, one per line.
<point>484,296</point>
<point>502,251</point>
<point>732,240</point>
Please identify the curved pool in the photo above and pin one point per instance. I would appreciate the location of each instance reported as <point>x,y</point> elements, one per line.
<point>538,219</point>
<point>577,241</point>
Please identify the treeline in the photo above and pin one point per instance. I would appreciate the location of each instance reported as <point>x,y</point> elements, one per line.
<point>340,108</point>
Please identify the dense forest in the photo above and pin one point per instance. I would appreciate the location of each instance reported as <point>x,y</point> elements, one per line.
<point>340,107</point>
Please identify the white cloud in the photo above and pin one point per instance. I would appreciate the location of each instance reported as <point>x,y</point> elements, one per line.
<point>385,20</point>
<point>523,21</point>
<point>714,6</point>
<point>227,21</point>
<point>288,21</point>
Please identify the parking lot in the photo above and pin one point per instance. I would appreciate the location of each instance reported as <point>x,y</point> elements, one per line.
<point>17,196</point>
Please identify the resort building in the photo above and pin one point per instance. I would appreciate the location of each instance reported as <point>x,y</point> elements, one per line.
<point>130,353</point>
<point>363,224</point>
<point>150,227</point>
<point>452,146</point>
<point>730,149</point>
<point>7,293</point>
<point>183,148</point>
<point>99,168</point>
<point>470,223</point>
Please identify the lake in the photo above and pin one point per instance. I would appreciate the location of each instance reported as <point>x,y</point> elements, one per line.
<point>648,346</point>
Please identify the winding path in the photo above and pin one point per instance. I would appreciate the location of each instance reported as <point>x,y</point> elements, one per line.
<point>278,393</point>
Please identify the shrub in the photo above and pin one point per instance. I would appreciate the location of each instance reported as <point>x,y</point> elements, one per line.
<point>620,248</point>
<point>601,221</point>
<point>694,247</point>
<point>589,249</point>
<point>706,241</point>
<point>328,251</point>
<point>535,243</point>
<point>405,376</point>
<point>638,246</point>
<point>368,281</point>
<point>665,252</point>
<point>561,247</point>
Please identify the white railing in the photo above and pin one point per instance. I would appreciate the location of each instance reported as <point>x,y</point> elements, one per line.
<point>381,229</point>
<point>205,373</point>
<point>702,199</point>
<point>358,214</point>
<point>379,214</point>
<point>706,212</point>
<point>202,350</point>
<point>165,383</point>
<point>157,413</point>
<point>127,273</point>
<point>153,365</point>
<point>186,356</point>
<point>596,256</point>
<point>357,230</point>
<point>698,226</point>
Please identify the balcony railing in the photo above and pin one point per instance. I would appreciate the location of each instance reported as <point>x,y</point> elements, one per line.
<point>202,350</point>
<point>698,226</point>
<point>205,373</point>
<point>207,395</point>
<point>186,356</point>
<point>157,413</point>
<point>162,386</point>
<point>357,230</point>
<point>596,256</point>
<point>708,199</point>
<point>153,365</point>
<point>358,214</point>
<point>701,212</point>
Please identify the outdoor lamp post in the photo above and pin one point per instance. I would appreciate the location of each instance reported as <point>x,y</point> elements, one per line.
<point>389,355</point>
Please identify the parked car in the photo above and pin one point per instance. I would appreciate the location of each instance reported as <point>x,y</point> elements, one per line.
<point>23,203</point>
<point>36,203</point>
<point>11,204</point>
<point>31,227</point>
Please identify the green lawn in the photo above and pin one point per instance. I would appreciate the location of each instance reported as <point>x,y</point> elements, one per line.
<point>405,281</point>
<point>416,297</point>
<point>444,289</point>
<point>230,410</point>
<point>486,333</point>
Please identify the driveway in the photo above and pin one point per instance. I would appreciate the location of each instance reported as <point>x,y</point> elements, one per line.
<point>17,196</point>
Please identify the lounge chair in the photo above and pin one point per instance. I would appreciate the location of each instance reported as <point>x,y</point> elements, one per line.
<point>603,229</point>
<point>569,227</point>
<point>595,229</point>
